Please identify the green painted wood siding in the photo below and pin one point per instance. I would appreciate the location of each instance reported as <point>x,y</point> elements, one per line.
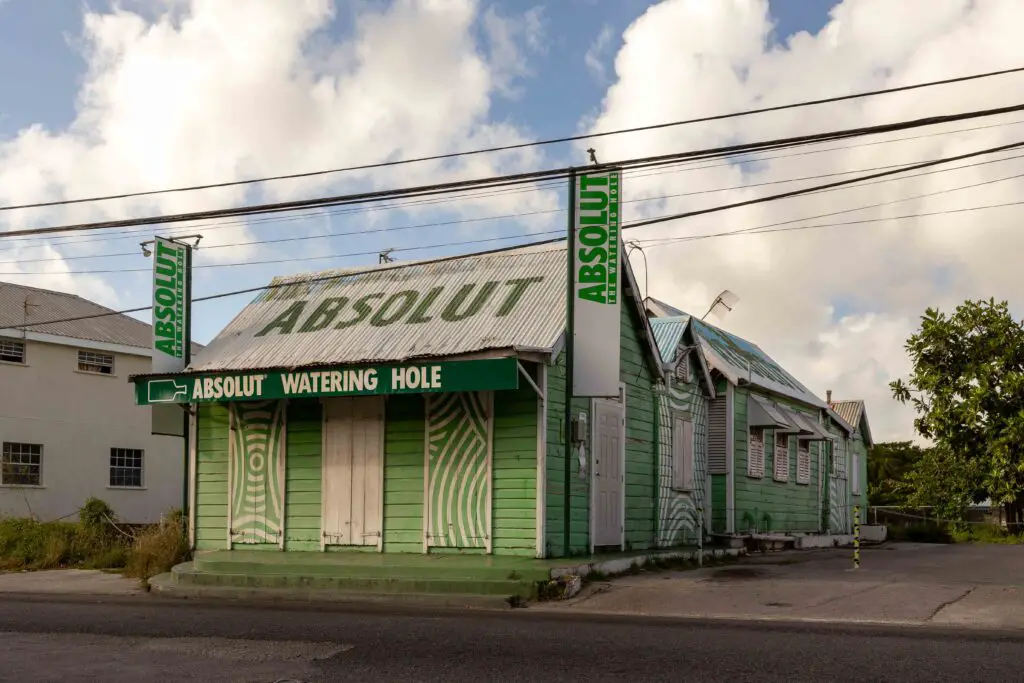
<point>514,466</point>
<point>637,373</point>
<point>404,444</point>
<point>303,475</point>
<point>211,513</point>
<point>765,504</point>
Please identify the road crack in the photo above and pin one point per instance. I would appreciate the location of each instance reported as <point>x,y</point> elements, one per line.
<point>950,603</point>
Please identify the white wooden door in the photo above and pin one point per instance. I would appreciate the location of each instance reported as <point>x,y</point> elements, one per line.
<point>609,455</point>
<point>353,471</point>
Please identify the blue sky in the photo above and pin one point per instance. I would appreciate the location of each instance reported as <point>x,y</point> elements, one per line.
<point>42,67</point>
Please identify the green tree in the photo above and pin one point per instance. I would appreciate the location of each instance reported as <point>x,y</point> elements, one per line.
<point>967,388</point>
<point>889,462</point>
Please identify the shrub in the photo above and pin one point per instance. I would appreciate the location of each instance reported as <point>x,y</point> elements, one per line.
<point>158,548</point>
<point>921,533</point>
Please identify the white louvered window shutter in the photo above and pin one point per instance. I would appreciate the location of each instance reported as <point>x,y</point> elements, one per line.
<point>781,469</point>
<point>682,455</point>
<point>803,462</point>
<point>755,453</point>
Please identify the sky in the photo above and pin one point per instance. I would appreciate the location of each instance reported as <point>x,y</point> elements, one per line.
<point>101,98</point>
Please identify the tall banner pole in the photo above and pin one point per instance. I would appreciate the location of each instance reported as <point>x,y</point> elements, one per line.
<point>171,346</point>
<point>569,360</point>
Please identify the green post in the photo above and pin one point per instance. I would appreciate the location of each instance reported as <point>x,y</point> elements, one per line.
<point>570,295</point>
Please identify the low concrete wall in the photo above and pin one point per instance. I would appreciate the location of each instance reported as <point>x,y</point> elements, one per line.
<point>875,533</point>
<point>823,541</point>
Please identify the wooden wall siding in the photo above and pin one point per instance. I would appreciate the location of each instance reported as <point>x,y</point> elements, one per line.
<point>678,517</point>
<point>257,473</point>
<point>579,489</point>
<point>637,373</point>
<point>861,448</point>
<point>765,504</point>
<point>405,431</point>
<point>719,509</point>
<point>303,476</point>
<point>515,472</point>
<point>212,478</point>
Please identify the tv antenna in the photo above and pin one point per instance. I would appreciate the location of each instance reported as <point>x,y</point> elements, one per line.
<point>722,304</point>
<point>385,256</point>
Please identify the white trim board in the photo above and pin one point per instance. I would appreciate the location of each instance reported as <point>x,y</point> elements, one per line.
<point>76,343</point>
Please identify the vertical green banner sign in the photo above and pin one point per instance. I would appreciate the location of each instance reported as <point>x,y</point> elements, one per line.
<point>171,304</point>
<point>596,285</point>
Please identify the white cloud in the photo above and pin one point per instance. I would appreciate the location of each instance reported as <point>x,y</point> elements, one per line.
<point>595,55</point>
<point>204,91</point>
<point>833,305</point>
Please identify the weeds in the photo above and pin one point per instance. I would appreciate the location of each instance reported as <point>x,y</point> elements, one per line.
<point>96,541</point>
<point>987,533</point>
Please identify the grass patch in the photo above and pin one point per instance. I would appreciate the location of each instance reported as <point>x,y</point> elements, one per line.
<point>96,541</point>
<point>987,533</point>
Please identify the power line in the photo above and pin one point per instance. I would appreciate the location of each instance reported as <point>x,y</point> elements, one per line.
<point>134,233</point>
<point>652,242</point>
<point>505,148</point>
<point>839,183</point>
<point>390,229</point>
<point>514,179</point>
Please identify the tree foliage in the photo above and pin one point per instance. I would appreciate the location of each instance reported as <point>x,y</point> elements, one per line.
<point>889,463</point>
<point>967,388</point>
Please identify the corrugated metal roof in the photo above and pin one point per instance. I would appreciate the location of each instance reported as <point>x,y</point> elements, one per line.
<point>735,357</point>
<point>21,305</point>
<point>667,334</point>
<point>850,411</point>
<point>396,312</point>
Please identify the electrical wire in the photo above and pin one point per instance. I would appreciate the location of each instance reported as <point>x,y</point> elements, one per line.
<point>513,179</point>
<point>134,233</point>
<point>505,148</point>
<point>653,243</point>
<point>462,221</point>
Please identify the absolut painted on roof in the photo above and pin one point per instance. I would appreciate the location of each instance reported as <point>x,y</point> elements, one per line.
<point>511,300</point>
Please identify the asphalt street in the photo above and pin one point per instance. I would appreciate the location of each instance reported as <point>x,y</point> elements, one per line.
<point>146,639</point>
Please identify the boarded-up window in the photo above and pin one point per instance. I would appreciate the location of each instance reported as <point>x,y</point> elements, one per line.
<point>682,454</point>
<point>781,469</point>
<point>803,462</point>
<point>755,453</point>
<point>717,459</point>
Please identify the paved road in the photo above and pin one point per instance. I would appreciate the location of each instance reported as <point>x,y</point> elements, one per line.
<point>120,641</point>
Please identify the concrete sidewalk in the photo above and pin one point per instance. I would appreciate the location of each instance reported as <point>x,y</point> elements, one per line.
<point>68,582</point>
<point>909,585</point>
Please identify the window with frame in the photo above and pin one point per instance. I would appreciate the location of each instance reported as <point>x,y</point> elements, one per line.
<point>96,363</point>
<point>21,464</point>
<point>755,453</point>
<point>12,351</point>
<point>803,462</point>
<point>126,467</point>
<point>781,468</point>
<point>682,454</point>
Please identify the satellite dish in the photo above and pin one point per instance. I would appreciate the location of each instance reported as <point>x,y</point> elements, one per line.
<point>722,304</point>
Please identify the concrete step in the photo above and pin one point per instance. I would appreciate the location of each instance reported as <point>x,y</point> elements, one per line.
<point>166,586</point>
<point>186,575</point>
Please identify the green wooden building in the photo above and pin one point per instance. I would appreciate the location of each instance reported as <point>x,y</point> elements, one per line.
<point>417,408</point>
<point>780,460</point>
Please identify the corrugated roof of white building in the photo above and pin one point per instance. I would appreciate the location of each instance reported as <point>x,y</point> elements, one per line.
<point>20,306</point>
<point>507,301</point>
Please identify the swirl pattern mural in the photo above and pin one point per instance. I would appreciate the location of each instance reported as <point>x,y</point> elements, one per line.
<point>257,473</point>
<point>458,467</point>
<point>678,510</point>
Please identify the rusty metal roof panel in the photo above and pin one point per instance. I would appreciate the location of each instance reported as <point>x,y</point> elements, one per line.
<point>21,306</point>
<point>511,300</point>
<point>850,411</point>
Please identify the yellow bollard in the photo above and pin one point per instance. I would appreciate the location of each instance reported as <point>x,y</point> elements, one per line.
<point>856,536</point>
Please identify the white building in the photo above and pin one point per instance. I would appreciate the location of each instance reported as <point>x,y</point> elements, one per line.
<point>69,425</point>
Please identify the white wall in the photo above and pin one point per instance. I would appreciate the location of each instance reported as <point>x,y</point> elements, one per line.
<point>78,417</point>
